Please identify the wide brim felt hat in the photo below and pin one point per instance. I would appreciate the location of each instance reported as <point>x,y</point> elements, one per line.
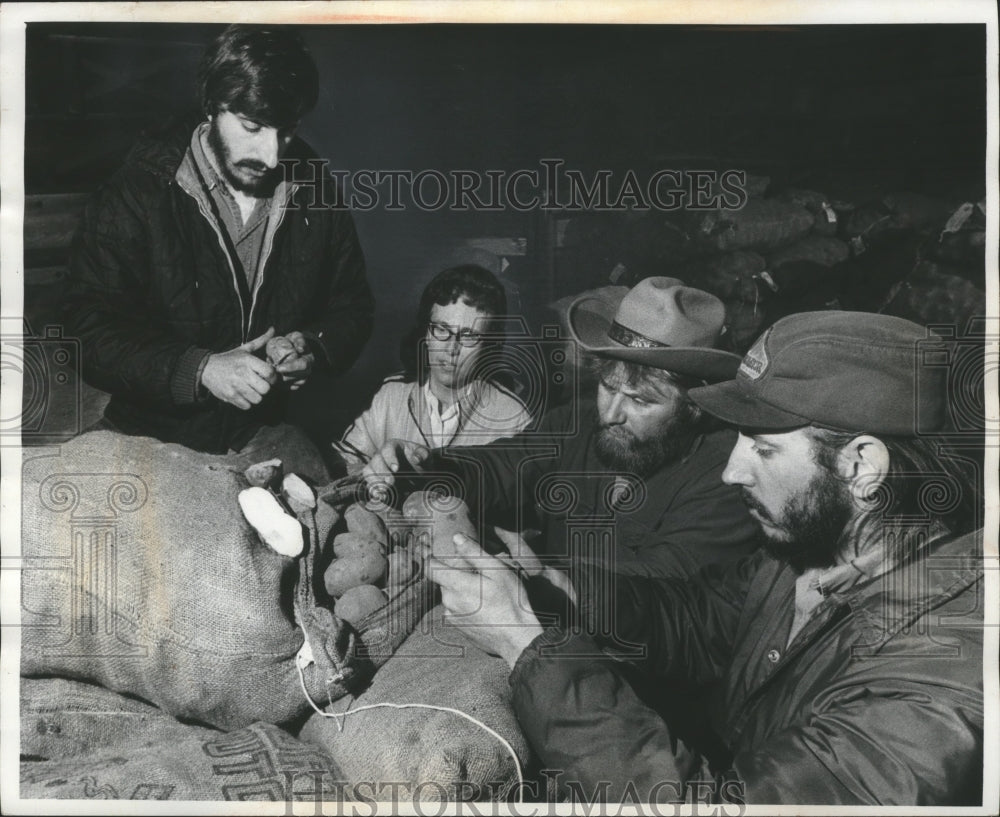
<point>659,323</point>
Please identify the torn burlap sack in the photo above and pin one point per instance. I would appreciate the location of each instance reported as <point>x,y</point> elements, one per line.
<point>141,575</point>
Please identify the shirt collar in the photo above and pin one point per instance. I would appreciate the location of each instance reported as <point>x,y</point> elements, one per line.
<point>202,160</point>
<point>434,405</point>
<point>205,162</point>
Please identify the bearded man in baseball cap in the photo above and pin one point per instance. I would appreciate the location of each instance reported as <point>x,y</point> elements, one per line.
<point>849,651</point>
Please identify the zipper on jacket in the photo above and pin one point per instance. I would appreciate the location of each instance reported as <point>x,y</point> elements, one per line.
<point>244,326</point>
<point>267,254</point>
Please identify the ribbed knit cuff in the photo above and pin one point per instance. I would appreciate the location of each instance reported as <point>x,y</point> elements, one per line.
<point>185,382</point>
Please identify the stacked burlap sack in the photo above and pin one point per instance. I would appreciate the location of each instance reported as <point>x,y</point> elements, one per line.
<point>789,249</point>
<point>154,583</point>
<point>84,742</point>
<point>795,250</point>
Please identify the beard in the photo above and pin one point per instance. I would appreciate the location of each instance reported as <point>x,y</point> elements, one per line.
<point>259,186</point>
<point>813,524</point>
<point>619,449</point>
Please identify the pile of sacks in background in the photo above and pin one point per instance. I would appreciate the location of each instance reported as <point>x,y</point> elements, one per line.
<point>791,250</point>
<point>180,607</point>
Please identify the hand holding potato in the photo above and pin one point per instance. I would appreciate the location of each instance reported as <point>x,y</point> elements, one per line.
<point>523,557</point>
<point>485,599</point>
<point>239,377</point>
<point>291,358</point>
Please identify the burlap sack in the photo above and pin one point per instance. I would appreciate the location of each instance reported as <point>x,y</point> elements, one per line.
<point>744,323</point>
<point>64,719</point>
<point>804,264</point>
<point>933,294</point>
<point>260,762</point>
<point>728,276</point>
<point>142,575</point>
<point>433,755</point>
<point>760,224</point>
<point>825,219</point>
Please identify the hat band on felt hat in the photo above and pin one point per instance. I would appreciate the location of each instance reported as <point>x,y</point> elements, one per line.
<point>635,340</point>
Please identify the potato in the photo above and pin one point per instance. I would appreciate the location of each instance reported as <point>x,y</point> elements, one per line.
<point>359,602</point>
<point>416,505</point>
<point>354,570</point>
<point>279,349</point>
<point>393,517</point>
<point>349,543</point>
<point>297,494</point>
<point>265,474</point>
<point>361,520</point>
<point>401,567</point>
<point>446,516</point>
<point>281,532</point>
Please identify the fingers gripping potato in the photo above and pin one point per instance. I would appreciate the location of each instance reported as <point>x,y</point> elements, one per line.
<point>444,515</point>
<point>279,349</point>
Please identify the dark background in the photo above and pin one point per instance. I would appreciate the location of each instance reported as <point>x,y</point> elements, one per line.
<point>854,111</point>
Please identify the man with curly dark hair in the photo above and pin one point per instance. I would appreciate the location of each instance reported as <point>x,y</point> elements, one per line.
<point>205,282</point>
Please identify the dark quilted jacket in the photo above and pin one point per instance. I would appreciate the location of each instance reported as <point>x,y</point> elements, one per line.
<point>153,289</point>
<point>878,700</point>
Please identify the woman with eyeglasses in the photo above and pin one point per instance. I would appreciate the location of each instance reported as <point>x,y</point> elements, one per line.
<point>450,392</point>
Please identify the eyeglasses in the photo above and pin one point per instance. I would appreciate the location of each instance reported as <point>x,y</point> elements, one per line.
<point>466,337</point>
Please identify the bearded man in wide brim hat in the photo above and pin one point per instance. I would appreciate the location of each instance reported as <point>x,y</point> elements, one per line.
<point>636,463</point>
<point>646,347</point>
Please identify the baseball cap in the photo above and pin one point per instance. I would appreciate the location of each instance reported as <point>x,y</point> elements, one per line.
<point>848,371</point>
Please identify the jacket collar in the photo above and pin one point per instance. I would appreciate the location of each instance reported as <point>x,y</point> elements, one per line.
<point>197,175</point>
<point>897,597</point>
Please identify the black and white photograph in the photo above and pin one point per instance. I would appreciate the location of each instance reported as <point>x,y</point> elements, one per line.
<point>496,408</point>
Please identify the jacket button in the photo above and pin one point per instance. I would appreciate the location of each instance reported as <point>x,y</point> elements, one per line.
<point>773,656</point>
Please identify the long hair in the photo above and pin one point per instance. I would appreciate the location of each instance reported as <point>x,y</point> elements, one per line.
<point>468,283</point>
<point>922,485</point>
<point>263,72</point>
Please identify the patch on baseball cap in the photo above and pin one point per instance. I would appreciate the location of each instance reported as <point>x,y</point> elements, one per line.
<point>755,361</point>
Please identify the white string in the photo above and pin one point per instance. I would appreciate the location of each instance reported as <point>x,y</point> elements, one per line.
<point>341,715</point>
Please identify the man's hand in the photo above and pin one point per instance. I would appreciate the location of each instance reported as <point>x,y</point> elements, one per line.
<point>483,597</point>
<point>291,358</point>
<point>379,473</point>
<point>238,376</point>
<point>525,558</point>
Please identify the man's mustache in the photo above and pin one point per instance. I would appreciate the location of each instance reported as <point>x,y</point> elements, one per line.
<point>755,505</point>
<point>249,164</point>
<point>616,431</point>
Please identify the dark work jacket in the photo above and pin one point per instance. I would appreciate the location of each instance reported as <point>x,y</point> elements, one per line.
<point>154,286</point>
<point>878,700</point>
<point>674,522</point>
